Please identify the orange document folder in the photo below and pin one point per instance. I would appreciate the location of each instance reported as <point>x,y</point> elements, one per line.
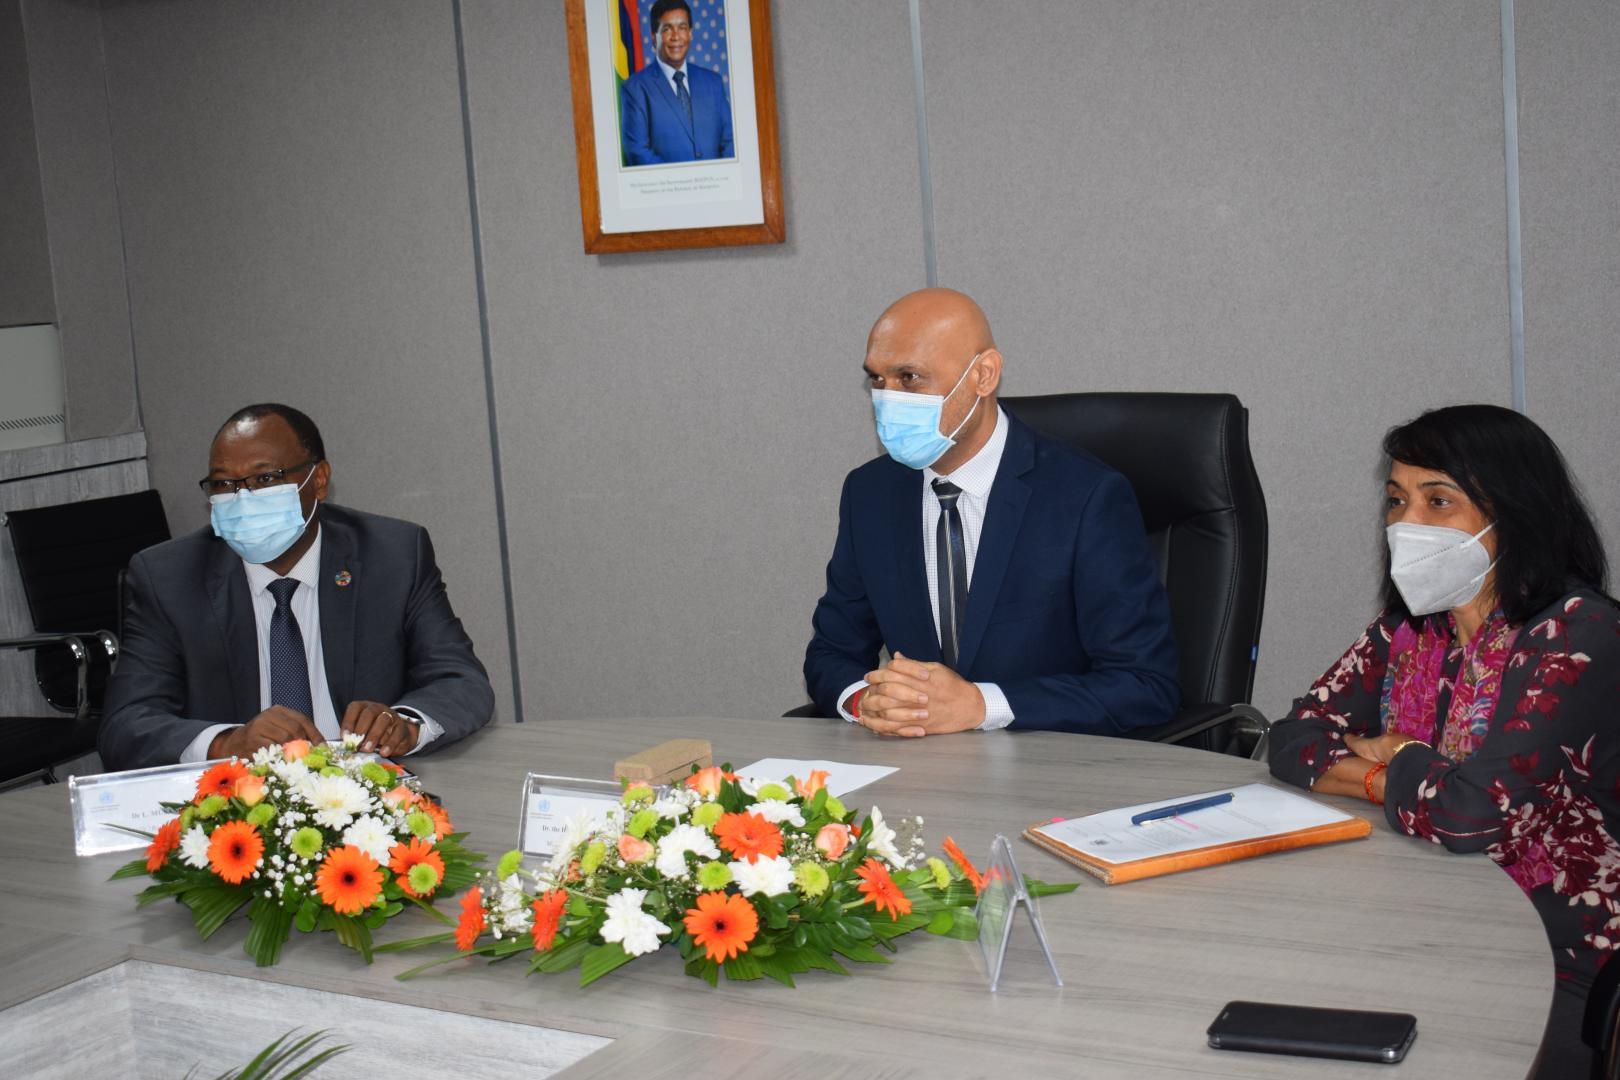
<point>1257,820</point>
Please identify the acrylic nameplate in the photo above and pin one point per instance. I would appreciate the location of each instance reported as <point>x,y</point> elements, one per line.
<point>550,803</point>
<point>1003,895</point>
<point>130,799</point>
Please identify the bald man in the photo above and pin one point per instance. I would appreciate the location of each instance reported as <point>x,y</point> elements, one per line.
<point>1006,574</point>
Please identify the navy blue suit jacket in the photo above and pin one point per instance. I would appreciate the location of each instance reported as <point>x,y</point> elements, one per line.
<point>1065,611</point>
<point>189,657</point>
<point>653,124</point>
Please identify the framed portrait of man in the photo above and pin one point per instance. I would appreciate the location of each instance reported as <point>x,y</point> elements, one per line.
<point>675,123</point>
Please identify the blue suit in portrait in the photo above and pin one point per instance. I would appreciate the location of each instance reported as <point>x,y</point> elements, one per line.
<point>1065,610</point>
<point>653,122</point>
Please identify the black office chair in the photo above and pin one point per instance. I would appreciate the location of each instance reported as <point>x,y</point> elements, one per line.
<point>71,559</point>
<point>1600,1028</point>
<point>1187,458</point>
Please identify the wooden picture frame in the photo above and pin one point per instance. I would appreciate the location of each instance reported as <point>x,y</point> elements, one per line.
<point>592,76</point>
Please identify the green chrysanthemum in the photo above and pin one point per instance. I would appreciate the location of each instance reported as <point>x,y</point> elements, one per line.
<point>639,794</point>
<point>713,876</point>
<point>420,824</point>
<point>640,823</point>
<point>377,774</point>
<point>262,814</point>
<point>594,854</point>
<point>941,872</point>
<point>509,864</point>
<point>423,878</point>
<point>835,809</point>
<point>812,879</point>
<point>774,791</point>
<point>212,806</point>
<point>707,814</point>
<point>306,842</point>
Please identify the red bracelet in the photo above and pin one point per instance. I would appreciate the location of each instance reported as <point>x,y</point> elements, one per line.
<point>855,702</point>
<point>1367,780</point>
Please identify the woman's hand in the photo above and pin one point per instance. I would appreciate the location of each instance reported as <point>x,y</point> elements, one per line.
<point>1379,747</point>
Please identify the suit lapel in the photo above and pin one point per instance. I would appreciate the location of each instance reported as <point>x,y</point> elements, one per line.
<point>1005,513</point>
<point>232,607</point>
<point>667,93</point>
<point>910,571</point>
<point>339,562</point>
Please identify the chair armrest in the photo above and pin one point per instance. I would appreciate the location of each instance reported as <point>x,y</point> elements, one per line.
<point>1196,719</point>
<point>81,660</point>
<point>805,710</point>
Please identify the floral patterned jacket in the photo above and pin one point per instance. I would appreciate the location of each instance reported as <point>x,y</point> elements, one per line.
<point>1540,795</point>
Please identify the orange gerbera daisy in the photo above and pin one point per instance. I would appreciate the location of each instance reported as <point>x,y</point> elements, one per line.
<point>548,911</point>
<point>970,871</point>
<point>234,850</point>
<point>880,890</point>
<point>723,924</point>
<point>166,840</point>
<point>748,836</point>
<point>401,857</point>
<point>472,918</point>
<point>220,780</point>
<point>348,880</point>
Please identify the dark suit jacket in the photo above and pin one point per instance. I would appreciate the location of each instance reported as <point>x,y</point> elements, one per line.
<point>653,122</point>
<point>190,653</point>
<point>1065,611</point>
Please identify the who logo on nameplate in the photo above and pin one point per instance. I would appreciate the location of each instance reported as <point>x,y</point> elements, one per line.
<point>552,803</point>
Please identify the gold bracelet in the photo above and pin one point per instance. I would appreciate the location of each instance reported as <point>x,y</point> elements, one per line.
<point>1405,744</point>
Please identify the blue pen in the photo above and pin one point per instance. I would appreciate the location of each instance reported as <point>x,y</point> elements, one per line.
<point>1181,808</point>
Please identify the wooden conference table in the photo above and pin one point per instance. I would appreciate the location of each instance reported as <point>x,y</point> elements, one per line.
<point>1387,922</point>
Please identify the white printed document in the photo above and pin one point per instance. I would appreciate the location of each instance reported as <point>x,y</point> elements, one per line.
<point>1256,811</point>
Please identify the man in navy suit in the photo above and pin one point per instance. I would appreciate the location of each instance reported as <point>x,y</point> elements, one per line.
<point>290,618</point>
<point>671,110</point>
<point>1006,573</point>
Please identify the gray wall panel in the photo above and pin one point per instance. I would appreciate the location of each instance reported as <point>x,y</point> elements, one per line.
<point>1298,203</point>
<point>1569,162</point>
<point>675,426</point>
<point>296,205</point>
<point>78,178</point>
<point>25,258</point>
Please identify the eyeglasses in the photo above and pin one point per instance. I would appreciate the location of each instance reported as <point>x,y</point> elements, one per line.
<point>219,485</point>
<point>675,28</point>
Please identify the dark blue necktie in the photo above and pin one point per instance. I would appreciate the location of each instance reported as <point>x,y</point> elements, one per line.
<point>950,553</point>
<point>289,671</point>
<point>680,92</point>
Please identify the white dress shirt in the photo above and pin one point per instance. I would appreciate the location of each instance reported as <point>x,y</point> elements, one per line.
<point>306,608</point>
<point>975,477</point>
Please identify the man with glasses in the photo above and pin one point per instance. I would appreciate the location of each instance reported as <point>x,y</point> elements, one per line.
<point>1006,574</point>
<point>671,110</point>
<point>287,618</point>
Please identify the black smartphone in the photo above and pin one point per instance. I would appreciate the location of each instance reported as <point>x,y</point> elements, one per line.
<point>1350,1034</point>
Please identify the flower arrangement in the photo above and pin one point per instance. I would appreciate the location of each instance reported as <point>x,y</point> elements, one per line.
<point>316,837</point>
<point>757,880</point>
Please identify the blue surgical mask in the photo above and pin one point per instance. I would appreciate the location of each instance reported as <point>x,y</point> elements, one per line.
<point>908,424</point>
<point>260,525</point>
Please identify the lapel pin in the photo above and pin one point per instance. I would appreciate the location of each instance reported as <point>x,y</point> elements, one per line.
<point>343,578</point>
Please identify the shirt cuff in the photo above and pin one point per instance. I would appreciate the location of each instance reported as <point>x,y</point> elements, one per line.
<point>997,713</point>
<point>197,749</point>
<point>426,732</point>
<point>844,696</point>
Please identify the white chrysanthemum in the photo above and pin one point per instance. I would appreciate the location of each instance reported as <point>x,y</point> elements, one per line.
<point>574,834</point>
<point>371,836</point>
<point>672,849</point>
<point>336,800</point>
<point>881,843</point>
<point>292,773</point>
<point>631,927</point>
<point>267,755</point>
<point>350,740</point>
<point>777,811</point>
<point>671,807</point>
<point>766,876</point>
<point>194,847</point>
<point>750,786</point>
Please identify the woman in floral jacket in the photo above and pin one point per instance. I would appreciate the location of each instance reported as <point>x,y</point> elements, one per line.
<point>1482,709</point>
